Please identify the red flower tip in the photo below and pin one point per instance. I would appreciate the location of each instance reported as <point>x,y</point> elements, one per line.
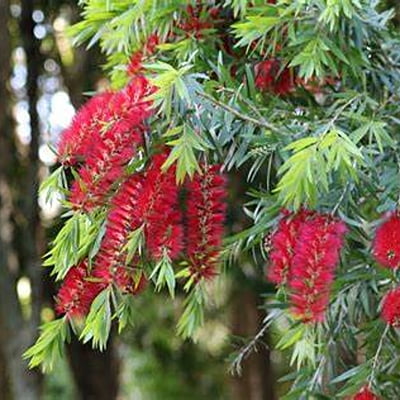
<point>161,215</point>
<point>391,308</point>
<point>148,200</point>
<point>283,242</point>
<point>196,21</point>
<point>316,255</point>
<point>114,147</point>
<point>269,76</point>
<point>304,252</point>
<point>77,292</point>
<point>77,140</point>
<point>206,208</point>
<point>365,394</point>
<point>386,244</point>
<point>135,63</point>
<point>110,264</point>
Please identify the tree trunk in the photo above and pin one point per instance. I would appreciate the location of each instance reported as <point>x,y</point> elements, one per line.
<point>95,373</point>
<point>15,333</point>
<point>256,380</point>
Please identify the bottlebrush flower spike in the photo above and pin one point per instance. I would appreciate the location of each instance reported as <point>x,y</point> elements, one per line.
<point>386,244</point>
<point>103,168</point>
<point>135,64</point>
<point>84,131</point>
<point>316,256</point>
<point>110,263</point>
<point>196,21</point>
<point>148,200</point>
<point>365,394</point>
<point>77,293</point>
<point>270,77</point>
<point>108,156</point>
<point>283,243</point>
<point>206,208</point>
<point>161,216</point>
<point>391,308</point>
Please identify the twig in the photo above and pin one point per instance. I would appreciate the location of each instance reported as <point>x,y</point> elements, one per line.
<point>340,200</point>
<point>249,103</point>
<point>245,350</point>
<point>376,357</point>
<point>244,117</point>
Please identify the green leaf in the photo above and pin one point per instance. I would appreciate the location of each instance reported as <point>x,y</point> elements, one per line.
<point>49,347</point>
<point>134,244</point>
<point>98,322</point>
<point>54,185</point>
<point>79,237</point>
<point>291,337</point>
<point>309,169</point>
<point>183,153</point>
<point>193,314</point>
<point>254,28</point>
<point>164,275</point>
<point>170,86</point>
<point>125,312</point>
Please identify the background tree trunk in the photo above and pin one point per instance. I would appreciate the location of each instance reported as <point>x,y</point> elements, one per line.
<point>16,333</point>
<point>256,381</point>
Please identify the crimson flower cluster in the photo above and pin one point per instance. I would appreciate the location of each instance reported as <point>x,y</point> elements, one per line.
<point>283,243</point>
<point>386,250</point>
<point>135,64</point>
<point>391,307</point>
<point>272,76</point>
<point>77,292</point>
<point>197,20</point>
<point>206,209</point>
<point>365,394</point>
<point>305,250</point>
<point>102,139</point>
<point>149,200</point>
<point>386,244</point>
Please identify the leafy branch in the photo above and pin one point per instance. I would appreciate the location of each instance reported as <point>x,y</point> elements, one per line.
<point>49,347</point>
<point>98,322</point>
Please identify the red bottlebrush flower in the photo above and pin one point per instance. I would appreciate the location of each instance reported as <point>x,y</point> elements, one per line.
<point>159,210</point>
<point>135,64</point>
<point>130,106</point>
<point>269,76</point>
<point>77,139</point>
<point>110,263</point>
<point>283,243</point>
<point>195,23</point>
<point>115,147</point>
<point>386,244</point>
<point>214,12</point>
<point>391,308</point>
<point>77,293</point>
<point>147,200</point>
<point>315,257</point>
<point>152,43</point>
<point>365,394</point>
<point>206,208</point>
<point>103,168</point>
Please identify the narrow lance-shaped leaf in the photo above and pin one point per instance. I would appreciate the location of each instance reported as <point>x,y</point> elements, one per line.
<point>49,347</point>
